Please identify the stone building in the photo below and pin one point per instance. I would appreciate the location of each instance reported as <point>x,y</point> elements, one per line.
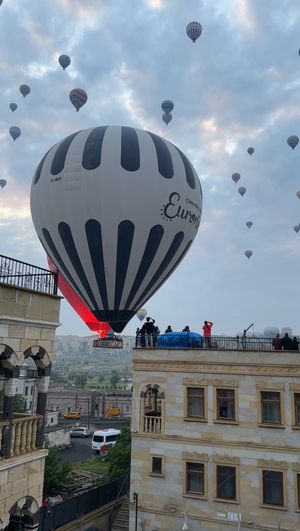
<point>216,441</point>
<point>29,315</point>
<point>88,403</point>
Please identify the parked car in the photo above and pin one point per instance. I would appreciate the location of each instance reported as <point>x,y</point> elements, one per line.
<point>72,415</point>
<point>80,431</point>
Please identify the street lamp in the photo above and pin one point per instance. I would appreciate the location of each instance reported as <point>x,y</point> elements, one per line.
<point>135,497</point>
<point>185,526</point>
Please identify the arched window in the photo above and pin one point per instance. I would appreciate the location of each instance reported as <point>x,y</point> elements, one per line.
<point>152,409</point>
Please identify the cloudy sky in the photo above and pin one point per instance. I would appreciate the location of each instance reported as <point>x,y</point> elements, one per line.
<point>237,86</point>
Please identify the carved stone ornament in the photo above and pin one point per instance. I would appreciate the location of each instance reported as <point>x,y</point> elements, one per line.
<point>195,456</point>
<point>226,460</point>
<point>196,381</point>
<point>272,463</point>
<point>224,382</point>
<point>269,384</point>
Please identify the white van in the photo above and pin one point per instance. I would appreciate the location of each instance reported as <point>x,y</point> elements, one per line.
<point>104,438</point>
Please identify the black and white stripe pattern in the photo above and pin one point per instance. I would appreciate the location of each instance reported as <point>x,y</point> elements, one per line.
<point>97,199</point>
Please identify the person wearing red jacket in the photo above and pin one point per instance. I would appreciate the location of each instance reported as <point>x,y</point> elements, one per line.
<point>207,333</point>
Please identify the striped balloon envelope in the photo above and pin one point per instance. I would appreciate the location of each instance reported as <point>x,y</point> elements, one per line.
<point>116,209</point>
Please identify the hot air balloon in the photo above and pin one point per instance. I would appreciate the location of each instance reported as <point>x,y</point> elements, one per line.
<point>296,228</point>
<point>287,330</point>
<point>167,106</point>
<point>64,61</point>
<point>167,118</point>
<point>78,305</point>
<point>235,177</point>
<point>24,89</point>
<point>1,2</point>
<point>3,183</point>
<point>271,331</point>
<point>298,194</point>
<point>242,190</point>
<point>78,98</point>
<point>250,150</point>
<point>13,106</point>
<point>293,141</point>
<point>14,132</point>
<point>116,249</point>
<point>248,253</point>
<point>249,224</point>
<point>141,314</point>
<point>194,30</point>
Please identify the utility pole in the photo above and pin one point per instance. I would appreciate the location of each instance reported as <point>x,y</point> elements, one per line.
<point>88,412</point>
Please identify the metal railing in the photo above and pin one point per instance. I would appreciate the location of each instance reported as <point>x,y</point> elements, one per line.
<point>74,508</point>
<point>24,275</point>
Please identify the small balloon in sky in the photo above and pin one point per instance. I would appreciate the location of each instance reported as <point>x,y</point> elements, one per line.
<point>167,106</point>
<point>235,177</point>
<point>271,331</point>
<point>13,107</point>
<point>25,90</point>
<point>242,190</point>
<point>167,117</point>
<point>194,30</point>
<point>78,98</point>
<point>298,194</point>
<point>248,253</point>
<point>292,141</point>
<point>249,224</point>
<point>3,183</point>
<point>64,61</point>
<point>14,132</point>
<point>141,313</point>
<point>296,228</point>
<point>250,150</point>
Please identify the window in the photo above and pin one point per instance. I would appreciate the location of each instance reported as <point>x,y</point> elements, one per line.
<point>270,407</point>
<point>31,391</point>
<point>226,482</point>
<point>156,465</point>
<point>297,408</point>
<point>298,490</point>
<point>272,487</point>
<point>195,402</point>
<point>195,478</point>
<point>26,390</point>
<point>225,404</point>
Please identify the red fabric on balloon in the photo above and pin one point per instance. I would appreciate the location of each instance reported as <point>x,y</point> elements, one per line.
<point>101,327</point>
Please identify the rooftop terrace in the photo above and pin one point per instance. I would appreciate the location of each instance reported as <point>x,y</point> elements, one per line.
<point>23,275</point>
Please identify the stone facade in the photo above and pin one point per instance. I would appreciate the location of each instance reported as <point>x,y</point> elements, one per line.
<point>170,439</point>
<point>28,320</point>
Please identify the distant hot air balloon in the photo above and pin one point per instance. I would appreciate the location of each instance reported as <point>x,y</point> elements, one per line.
<point>78,98</point>
<point>293,141</point>
<point>167,106</point>
<point>116,249</point>
<point>248,253</point>
<point>298,194</point>
<point>14,132</point>
<point>167,118</point>
<point>3,183</point>
<point>78,305</point>
<point>249,224</point>
<point>194,30</point>
<point>13,106</point>
<point>271,331</point>
<point>24,89</point>
<point>64,61</point>
<point>242,190</point>
<point>250,150</point>
<point>296,228</point>
<point>287,330</point>
<point>141,314</point>
<point>235,177</point>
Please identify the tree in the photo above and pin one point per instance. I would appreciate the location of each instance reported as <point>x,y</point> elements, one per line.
<point>57,471</point>
<point>19,404</point>
<point>114,379</point>
<point>81,379</point>
<point>120,455</point>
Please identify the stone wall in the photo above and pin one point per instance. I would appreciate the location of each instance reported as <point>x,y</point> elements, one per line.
<point>58,438</point>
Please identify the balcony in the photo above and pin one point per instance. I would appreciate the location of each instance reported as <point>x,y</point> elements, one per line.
<point>23,434</point>
<point>23,275</point>
<point>152,424</point>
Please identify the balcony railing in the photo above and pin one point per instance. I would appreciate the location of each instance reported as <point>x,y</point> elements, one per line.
<point>24,433</point>
<point>23,275</point>
<point>152,424</point>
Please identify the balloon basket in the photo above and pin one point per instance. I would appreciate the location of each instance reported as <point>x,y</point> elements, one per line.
<point>115,342</point>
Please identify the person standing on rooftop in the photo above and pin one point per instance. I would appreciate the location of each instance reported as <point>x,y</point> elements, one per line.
<point>207,333</point>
